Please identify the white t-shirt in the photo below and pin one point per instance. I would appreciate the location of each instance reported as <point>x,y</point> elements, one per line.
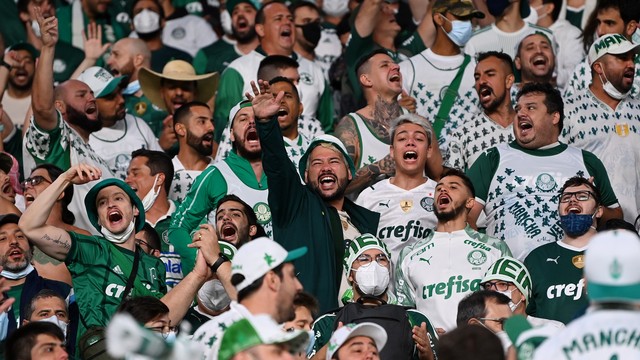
<point>16,108</point>
<point>491,38</point>
<point>115,144</point>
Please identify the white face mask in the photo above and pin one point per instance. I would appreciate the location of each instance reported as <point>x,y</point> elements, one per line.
<point>312,341</point>
<point>120,238</point>
<point>504,340</point>
<point>56,321</point>
<point>36,28</point>
<point>213,296</point>
<point>533,16</point>
<point>146,22</point>
<point>151,196</point>
<point>512,305</point>
<point>536,9</point>
<point>335,8</point>
<point>611,90</point>
<point>372,279</point>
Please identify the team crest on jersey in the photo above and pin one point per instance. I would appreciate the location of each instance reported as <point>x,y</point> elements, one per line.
<point>578,261</point>
<point>406,205</point>
<point>545,182</point>
<point>306,78</point>
<point>140,108</point>
<point>165,237</point>
<point>59,66</point>
<point>447,91</point>
<point>622,129</point>
<point>153,274</point>
<point>477,257</point>
<point>178,33</point>
<point>427,203</point>
<point>263,212</point>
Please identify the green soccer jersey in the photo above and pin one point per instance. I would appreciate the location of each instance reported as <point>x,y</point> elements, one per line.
<point>215,57</point>
<point>100,270</point>
<point>558,291</point>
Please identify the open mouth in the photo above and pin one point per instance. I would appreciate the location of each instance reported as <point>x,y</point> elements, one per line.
<point>16,253</point>
<point>485,91</point>
<point>524,124</point>
<point>91,108</point>
<point>282,113</point>
<point>539,61</point>
<point>252,135</point>
<point>28,198</point>
<point>410,155</point>
<point>229,231</point>
<point>177,102</point>
<point>286,32</point>
<point>327,181</point>
<point>242,23</point>
<point>395,78</point>
<point>629,74</point>
<point>7,189</point>
<point>114,216</point>
<point>574,210</point>
<point>444,199</point>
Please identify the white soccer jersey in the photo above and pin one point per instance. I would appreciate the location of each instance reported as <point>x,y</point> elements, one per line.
<point>519,190</point>
<point>435,273</point>
<point>427,78</point>
<point>372,148</point>
<point>491,38</point>
<point>188,33</point>
<point>614,137</point>
<point>329,48</point>
<point>182,180</point>
<point>405,215</point>
<point>473,138</point>
<point>601,334</point>
<point>115,144</point>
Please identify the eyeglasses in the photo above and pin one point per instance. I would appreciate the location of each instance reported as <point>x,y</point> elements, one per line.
<point>149,247</point>
<point>33,181</point>
<point>580,196</point>
<point>498,320</point>
<point>365,259</point>
<point>498,285</point>
<point>164,330</point>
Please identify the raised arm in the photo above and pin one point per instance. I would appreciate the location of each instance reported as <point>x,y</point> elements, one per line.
<point>93,48</point>
<point>42,98</point>
<point>367,17</point>
<point>52,240</point>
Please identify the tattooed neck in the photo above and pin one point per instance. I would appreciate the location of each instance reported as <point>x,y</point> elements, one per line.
<point>381,115</point>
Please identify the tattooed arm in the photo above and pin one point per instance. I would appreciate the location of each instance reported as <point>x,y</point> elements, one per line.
<point>52,240</point>
<point>368,175</point>
<point>347,133</point>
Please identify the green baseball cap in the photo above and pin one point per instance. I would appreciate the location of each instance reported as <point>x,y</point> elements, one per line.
<point>25,46</point>
<point>92,209</point>
<point>232,4</point>
<point>459,8</point>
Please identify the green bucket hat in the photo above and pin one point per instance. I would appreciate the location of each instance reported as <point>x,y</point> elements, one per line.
<point>329,139</point>
<point>92,210</point>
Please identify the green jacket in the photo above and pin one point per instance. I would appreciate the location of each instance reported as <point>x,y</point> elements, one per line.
<point>301,218</point>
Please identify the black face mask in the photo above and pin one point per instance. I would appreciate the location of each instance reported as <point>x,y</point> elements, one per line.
<point>311,32</point>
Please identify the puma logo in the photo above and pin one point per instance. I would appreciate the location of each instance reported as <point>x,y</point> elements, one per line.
<point>553,260</point>
<point>428,261</point>
<point>383,204</point>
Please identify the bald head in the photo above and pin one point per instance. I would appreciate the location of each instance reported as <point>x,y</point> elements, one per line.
<point>128,55</point>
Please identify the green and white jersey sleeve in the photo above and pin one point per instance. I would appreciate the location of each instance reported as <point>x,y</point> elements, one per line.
<point>519,190</point>
<point>100,271</point>
<point>558,289</point>
<point>435,273</point>
<point>210,333</point>
<point>613,135</point>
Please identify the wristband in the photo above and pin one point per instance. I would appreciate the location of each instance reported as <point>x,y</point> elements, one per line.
<point>4,63</point>
<point>222,258</point>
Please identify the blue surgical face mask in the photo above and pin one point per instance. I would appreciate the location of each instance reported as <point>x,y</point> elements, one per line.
<point>576,225</point>
<point>171,337</point>
<point>461,31</point>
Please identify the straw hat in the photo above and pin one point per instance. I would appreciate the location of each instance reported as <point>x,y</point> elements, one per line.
<point>179,70</point>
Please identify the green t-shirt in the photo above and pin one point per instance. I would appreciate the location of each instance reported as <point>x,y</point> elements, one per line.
<point>16,293</point>
<point>558,289</point>
<point>100,270</point>
<point>215,57</point>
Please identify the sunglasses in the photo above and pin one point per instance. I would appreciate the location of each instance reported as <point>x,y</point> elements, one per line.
<point>33,181</point>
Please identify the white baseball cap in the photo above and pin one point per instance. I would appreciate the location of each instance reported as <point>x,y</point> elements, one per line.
<point>100,81</point>
<point>612,267</point>
<point>610,44</point>
<point>257,257</point>
<point>368,329</point>
<point>259,330</point>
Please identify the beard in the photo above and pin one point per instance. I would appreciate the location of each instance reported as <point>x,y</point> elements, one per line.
<point>197,143</point>
<point>335,195</point>
<point>21,87</point>
<point>80,119</point>
<point>449,215</point>
<point>495,104</point>
<point>16,267</point>
<point>244,37</point>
